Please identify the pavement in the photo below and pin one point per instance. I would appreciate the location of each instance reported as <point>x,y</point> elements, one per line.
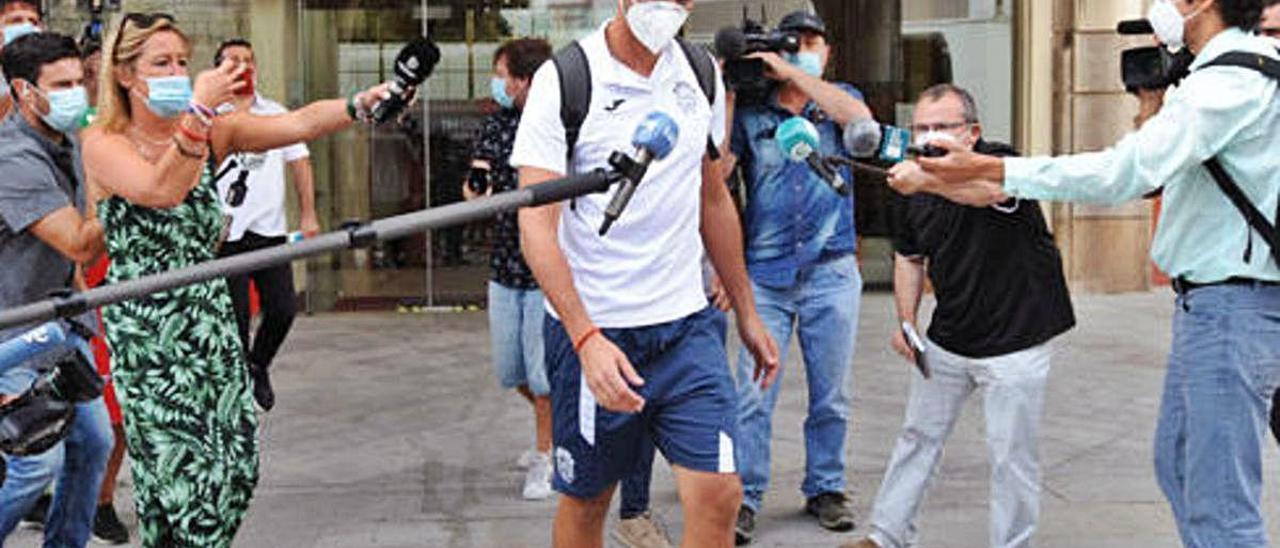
<point>390,432</point>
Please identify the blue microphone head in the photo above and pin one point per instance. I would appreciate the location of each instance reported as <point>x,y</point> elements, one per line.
<point>894,145</point>
<point>798,138</point>
<point>657,134</point>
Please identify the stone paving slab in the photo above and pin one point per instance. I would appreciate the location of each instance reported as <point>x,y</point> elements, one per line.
<point>391,432</point>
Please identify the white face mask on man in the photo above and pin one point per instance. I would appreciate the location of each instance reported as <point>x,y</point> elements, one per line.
<point>655,23</point>
<point>1169,24</point>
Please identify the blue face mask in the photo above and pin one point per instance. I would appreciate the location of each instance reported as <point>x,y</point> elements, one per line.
<point>13,32</point>
<point>498,88</point>
<point>810,63</point>
<point>168,96</point>
<point>66,108</point>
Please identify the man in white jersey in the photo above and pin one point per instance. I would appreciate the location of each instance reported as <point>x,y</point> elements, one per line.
<point>632,348</point>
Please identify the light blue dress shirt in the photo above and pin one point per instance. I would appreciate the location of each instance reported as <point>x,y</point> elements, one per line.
<point>1228,112</point>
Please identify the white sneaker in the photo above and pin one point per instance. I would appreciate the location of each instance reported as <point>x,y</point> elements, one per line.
<point>526,458</point>
<point>537,481</point>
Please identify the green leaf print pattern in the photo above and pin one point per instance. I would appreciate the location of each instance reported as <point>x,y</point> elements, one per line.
<point>180,376</point>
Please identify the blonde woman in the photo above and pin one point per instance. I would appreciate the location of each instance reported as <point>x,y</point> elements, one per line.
<point>178,361</point>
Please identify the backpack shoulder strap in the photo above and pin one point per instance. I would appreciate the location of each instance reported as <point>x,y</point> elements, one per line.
<point>704,69</point>
<point>575,91</point>
<point>1261,63</point>
<point>1270,233</point>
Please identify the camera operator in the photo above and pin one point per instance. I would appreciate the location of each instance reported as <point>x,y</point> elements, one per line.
<point>43,235</point>
<point>800,244</point>
<point>1218,127</point>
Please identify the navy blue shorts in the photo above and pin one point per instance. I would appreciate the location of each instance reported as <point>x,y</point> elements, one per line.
<point>689,412</point>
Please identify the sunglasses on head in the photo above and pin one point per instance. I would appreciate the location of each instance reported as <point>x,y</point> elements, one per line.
<point>141,21</point>
<point>145,20</point>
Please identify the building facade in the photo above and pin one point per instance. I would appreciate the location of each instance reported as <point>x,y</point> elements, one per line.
<point>1045,73</point>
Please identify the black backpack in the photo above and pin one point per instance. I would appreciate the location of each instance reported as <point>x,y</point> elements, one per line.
<point>1270,233</point>
<point>575,86</point>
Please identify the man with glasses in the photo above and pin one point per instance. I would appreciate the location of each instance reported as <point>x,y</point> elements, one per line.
<point>1001,297</point>
<point>800,246</point>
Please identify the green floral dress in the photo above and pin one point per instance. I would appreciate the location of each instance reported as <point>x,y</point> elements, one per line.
<point>179,369</point>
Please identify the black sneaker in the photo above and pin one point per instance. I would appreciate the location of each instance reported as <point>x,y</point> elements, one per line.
<point>262,392</point>
<point>107,528</point>
<point>745,528</point>
<point>833,511</point>
<point>36,516</point>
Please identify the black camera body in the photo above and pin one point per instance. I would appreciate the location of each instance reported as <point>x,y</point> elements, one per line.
<point>746,77</point>
<point>1151,67</point>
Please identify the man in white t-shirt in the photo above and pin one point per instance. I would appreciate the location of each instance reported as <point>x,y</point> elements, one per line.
<point>252,191</point>
<point>631,343</point>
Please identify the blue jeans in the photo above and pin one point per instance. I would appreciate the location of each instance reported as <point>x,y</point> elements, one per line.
<point>822,309</point>
<point>515,329</point>
<point>1224,369</point>
<point>77,463</point>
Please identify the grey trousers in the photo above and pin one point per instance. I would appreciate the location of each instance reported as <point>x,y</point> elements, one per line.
<point>1013,401</point>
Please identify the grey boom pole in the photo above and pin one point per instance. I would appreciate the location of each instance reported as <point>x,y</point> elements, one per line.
<point>366,235</point>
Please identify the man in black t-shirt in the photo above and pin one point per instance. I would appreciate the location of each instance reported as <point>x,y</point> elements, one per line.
<point>1001,297</point>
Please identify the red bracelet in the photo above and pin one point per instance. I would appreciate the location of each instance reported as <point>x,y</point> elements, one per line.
<point>192,134</point>
<point>582,341</point>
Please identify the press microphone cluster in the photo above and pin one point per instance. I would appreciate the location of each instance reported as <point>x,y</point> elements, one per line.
<point>654,139</point>
<point>868,140</point>
<point>413,65</point>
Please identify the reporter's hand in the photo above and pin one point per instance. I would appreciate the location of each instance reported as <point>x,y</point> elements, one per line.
<point>216,86</point>
<point>909,178</point>
<point>901,346</point>
<point>367,99</point>
<point>962,164</point>
<point>762,347</point>
<point>610,375</point>
<point>776,68</point>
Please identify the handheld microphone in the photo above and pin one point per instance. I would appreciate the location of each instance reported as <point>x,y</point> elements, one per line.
<point>654,139</point>
<point>414,64</point>
<point>798,138</point>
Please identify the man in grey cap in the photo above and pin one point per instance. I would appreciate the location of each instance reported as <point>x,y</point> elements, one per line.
<point>800,241</point>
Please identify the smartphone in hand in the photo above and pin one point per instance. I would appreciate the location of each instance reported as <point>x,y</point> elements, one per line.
<point>917,344</point>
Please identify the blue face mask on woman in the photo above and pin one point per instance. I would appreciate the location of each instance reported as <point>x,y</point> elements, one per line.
<point>498,88</point>
<point>168,96</point>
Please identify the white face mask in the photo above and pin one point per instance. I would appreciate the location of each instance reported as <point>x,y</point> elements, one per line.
<point>656,22</point>
<point>931,136</point>
<point>1169,24</point>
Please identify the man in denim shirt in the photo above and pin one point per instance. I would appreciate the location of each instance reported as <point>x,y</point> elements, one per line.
<point>800,254</point>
